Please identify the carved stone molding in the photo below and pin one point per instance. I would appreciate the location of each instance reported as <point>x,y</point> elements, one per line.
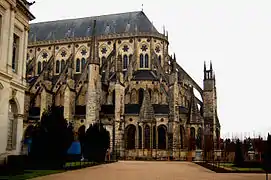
<point>1,86</point>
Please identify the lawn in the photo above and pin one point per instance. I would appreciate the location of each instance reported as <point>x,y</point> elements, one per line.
<point>28,174</point>
<point>230,166</point>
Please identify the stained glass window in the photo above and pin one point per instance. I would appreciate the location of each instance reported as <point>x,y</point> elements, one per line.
<point>77,69</point>
<point>141,64</point>
<point>57,66</point>
<point>125,62</point>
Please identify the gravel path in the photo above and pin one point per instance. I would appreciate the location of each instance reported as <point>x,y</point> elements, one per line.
<point>149,170</point>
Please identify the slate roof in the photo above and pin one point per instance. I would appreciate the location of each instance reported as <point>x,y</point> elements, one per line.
<point>128,22</point>
<point>144,75</point>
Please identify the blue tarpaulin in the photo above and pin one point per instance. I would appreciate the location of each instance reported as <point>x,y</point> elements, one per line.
<point>75,148</point>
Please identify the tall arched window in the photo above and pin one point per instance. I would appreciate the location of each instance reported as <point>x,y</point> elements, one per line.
<point>43,64</point>
<point>125,62</point>
<point>140,96</point>
<point>141,64</point>
<point>113,97</point>
<point>39,67</point>
<point>162,138</point>
<point>57,66</point>
<point>77,65</point>
<point>146,61</point>
<point>83,62</point>
<point>103,60</point>
<point>159,59</point>
<point>147,138</point>
<point>130,135</point>
<point>62,65</point>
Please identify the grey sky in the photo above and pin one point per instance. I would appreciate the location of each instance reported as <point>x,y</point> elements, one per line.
<point>235,35</point>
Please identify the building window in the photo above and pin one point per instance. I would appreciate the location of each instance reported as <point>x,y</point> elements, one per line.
<point>77,65</point>
<point>43,64</point>
<point>159,59</point>
<point>141,61</point>
<point>83,62</point>
<point>57,66</point>
<point>103,60</point>
<point>146,61</point>
<point>15,50</point>
<point>39,67</point>
<point>62,65</point>
<point>125,62</point>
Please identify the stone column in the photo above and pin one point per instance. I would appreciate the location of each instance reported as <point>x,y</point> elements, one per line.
<point>20,133</point>
<point>69,98</point>
<point>46,96</point>
<point>92,106</point>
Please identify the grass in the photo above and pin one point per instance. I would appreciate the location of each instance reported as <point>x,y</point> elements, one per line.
<point>29,174</point>
<point>230,166</point>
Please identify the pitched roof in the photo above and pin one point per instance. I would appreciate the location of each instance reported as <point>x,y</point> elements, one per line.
<point>128,22</point>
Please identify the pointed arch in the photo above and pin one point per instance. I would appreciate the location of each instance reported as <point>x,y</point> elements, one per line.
<point>140,96</point>
<point>147,134</point>
<point>60,51</point>
<point>125,62</point>
<point>83,63</point>
<point>113,97</point>
<point>160,60</point>
<point>192,133</point>
<point>40,58</point>
<point>141,59</point>
<point>57,66</point>
<point>162,137</point>
<point>130,136</point>
<point>39,67</point>
<point>146,61</point>
<point>78,52</point>
<point>62,65</point>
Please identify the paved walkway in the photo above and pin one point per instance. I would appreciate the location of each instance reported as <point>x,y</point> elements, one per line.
<point>149,170</point>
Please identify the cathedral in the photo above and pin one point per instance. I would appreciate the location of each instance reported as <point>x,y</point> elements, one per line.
<point>116,70</point>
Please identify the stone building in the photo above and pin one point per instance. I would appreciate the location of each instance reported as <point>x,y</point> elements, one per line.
<point>116,69</point>
<point>14,27</point>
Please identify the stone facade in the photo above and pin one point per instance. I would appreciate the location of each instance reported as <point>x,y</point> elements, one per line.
<point>14,27</point>
<point>116,69</point>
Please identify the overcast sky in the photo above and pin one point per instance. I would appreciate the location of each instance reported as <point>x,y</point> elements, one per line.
<point>235,35</point>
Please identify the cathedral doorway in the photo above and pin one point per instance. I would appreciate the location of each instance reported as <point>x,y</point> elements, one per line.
<point>147,134</point>
<point>162,138</point>
<point>12,126</point>
<point>130,134</point>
